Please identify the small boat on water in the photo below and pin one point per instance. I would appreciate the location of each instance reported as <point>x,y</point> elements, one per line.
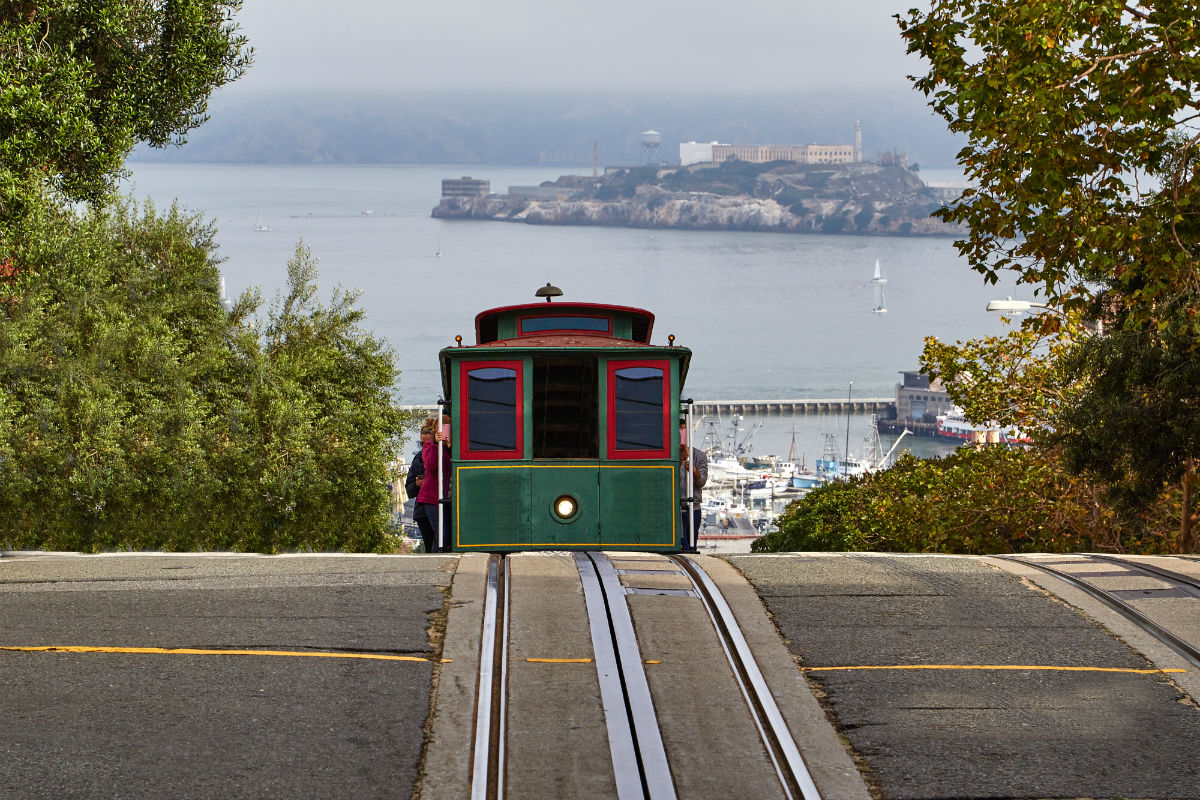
<point>879,281</point>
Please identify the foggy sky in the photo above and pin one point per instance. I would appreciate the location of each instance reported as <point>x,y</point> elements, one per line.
<point>622,45</point>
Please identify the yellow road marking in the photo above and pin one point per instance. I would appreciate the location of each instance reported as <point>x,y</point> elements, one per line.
<point>653,662</point>
<point>995,666</point>
<point>187,651</point>
<point>559,660</point>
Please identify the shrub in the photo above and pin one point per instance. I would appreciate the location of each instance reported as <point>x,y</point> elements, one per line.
<point>989,500</point>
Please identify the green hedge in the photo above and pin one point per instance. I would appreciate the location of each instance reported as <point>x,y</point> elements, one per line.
<point>989,500</point>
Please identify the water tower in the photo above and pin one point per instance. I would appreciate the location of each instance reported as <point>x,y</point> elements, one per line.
<point>650,142</point>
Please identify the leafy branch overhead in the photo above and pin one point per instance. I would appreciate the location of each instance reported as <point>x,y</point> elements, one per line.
<point>1079,118</point>
<point>85,82</point>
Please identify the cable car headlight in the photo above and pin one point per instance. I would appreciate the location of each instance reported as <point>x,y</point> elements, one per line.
<point>565,507</point>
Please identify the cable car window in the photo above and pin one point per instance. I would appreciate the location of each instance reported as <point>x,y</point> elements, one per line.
<point>565,407</point>
<point>492,395</point>
<point>638,408</point>
<point>565,323</point>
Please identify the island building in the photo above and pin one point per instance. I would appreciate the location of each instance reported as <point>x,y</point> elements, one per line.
<point>465,186</point>
<point>716,152</point>
<point>801,154</point>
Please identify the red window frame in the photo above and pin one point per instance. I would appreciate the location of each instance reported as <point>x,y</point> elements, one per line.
<point>464,415</point>
<point>611,411</point>
<point>522,332</point>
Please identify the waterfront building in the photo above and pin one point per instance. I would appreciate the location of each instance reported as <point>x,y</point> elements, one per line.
<point>465,186</point>
<point>919,399</point>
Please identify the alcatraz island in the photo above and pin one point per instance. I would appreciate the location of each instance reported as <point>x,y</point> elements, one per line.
<point>782,189</point>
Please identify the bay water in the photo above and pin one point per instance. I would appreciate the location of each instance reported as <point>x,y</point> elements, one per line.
<point>767,316</point>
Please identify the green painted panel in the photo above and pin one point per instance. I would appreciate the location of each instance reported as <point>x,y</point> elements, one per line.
<point>578,482</point>
<point>496,511</point>
<point>641,506</point>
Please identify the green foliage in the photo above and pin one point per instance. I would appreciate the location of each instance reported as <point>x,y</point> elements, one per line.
<point>83,82</point>
<point>989,500</point>
<point>1067,105</point>
<point>1138,417</point>
<point>1080,119</point>
<point>136,413</point>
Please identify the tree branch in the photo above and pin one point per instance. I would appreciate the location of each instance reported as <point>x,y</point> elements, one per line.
<point>1102,59</point>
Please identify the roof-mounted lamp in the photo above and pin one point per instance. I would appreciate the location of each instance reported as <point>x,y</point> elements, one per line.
<point>548,291</point>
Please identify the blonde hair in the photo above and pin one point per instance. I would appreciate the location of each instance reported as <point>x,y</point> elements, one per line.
<point>428,426</point>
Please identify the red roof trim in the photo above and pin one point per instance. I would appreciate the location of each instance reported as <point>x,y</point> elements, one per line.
<point>566,308</point>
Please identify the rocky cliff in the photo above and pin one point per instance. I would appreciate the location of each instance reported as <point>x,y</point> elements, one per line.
<point>856,199</point>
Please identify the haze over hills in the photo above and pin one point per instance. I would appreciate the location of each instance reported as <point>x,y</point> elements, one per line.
<point>553,128</point>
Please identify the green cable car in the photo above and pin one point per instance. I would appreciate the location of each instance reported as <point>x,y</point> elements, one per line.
<point>565,430</point>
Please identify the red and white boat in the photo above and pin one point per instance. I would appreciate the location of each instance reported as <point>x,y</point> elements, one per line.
<point>955,426</point>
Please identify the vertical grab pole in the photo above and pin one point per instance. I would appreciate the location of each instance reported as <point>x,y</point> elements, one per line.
<point>441,509</point>
<point>691,487</point>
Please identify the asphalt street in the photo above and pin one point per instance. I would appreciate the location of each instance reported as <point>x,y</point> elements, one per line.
<point>225,676</point>
<point>328,698</point>
<point>1085,723</point>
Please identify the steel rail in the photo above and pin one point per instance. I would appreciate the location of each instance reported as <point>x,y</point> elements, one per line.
<point>652,755</point>
<point>627,770</point>
<point>502,704</point>
<point>1186,650</point>
<point>756,714</point>
<point>1150,570</point>
<point>785,754</point>
<point>487,772</point>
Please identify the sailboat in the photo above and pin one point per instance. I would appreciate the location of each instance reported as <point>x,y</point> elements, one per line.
<point>879,281</point>
<point>259,226</point>
<point>882,307</point>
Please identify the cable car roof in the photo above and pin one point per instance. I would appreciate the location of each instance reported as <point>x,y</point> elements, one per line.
<point>533,320</point>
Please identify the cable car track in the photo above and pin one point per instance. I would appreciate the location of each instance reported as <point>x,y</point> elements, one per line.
<point>640,764</point>
<point>789,765</point>
<point>1189,584</point>
<point>1185,649</point>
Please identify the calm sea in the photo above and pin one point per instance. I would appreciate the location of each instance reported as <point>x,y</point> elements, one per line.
<point>766,315</point>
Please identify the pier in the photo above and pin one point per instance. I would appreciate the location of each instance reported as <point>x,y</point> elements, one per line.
<point>883,406</point>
